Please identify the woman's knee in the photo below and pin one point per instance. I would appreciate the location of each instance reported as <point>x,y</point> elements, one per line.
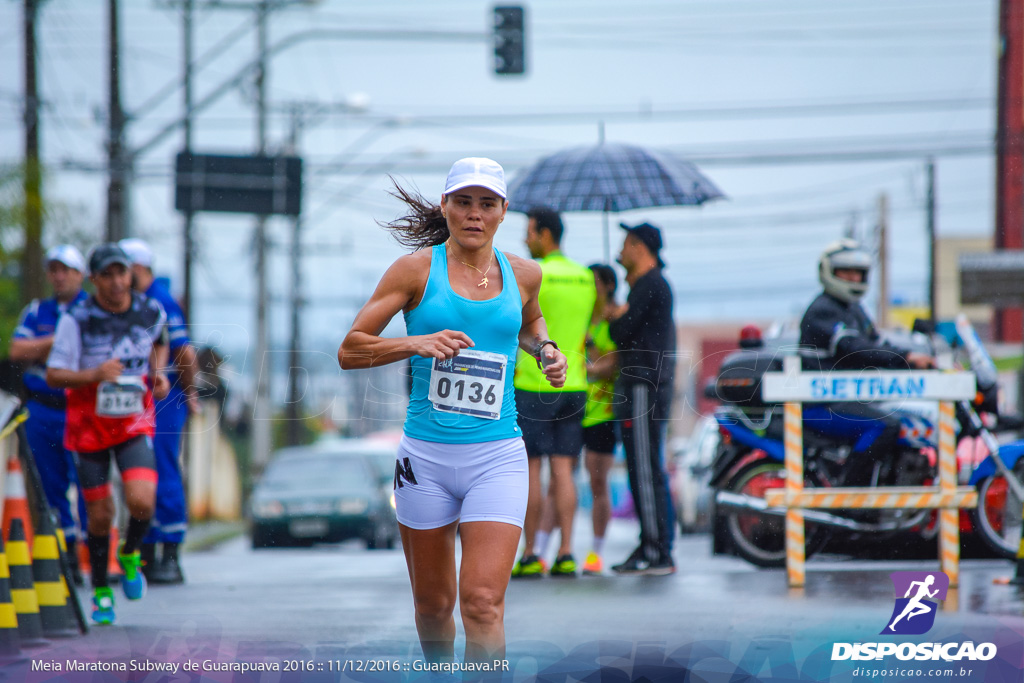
<point>482,605</point>
<point>434,607</point>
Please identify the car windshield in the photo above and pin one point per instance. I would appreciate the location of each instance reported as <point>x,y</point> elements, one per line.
<point>383,462</point>
<point>321,472</point>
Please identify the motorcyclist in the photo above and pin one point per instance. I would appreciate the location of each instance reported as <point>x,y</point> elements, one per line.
<point>838,327</point>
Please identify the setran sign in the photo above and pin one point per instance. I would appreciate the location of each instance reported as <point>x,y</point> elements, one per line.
<point>868,385</point>
<point>261,185</point>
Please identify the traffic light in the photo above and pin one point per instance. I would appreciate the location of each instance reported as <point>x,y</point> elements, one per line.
<point>509,40</point>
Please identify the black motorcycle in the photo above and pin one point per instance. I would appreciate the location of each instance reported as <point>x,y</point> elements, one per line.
<point>751,459</point>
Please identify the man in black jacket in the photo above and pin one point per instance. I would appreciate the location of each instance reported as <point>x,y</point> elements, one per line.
<point>839,328</point>
<point>645,333</point>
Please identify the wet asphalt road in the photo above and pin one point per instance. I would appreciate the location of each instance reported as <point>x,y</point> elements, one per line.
<point>341,603</point>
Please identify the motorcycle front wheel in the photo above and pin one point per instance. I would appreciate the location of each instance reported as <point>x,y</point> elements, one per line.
<point>758,538</point>
<point>997,519</point>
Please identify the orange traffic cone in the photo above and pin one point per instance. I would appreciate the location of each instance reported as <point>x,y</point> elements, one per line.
<point>16,500</point>
<point>23,590</point>
<point>9,640</point>
<point>51,590</point>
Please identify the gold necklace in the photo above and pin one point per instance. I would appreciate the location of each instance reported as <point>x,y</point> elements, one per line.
<point>483,273</point>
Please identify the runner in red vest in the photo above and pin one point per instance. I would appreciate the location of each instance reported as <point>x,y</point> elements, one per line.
<point>107,354</point>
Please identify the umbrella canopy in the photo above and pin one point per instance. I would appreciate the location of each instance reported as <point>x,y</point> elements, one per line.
<point>609,177</point>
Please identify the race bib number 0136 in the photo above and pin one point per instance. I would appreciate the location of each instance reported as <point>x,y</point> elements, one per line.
<point>472,383</point>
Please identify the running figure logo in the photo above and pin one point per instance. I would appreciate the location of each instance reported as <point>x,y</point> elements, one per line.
<point>914,613</point>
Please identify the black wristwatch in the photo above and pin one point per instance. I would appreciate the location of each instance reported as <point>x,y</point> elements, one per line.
<point>540,347</point>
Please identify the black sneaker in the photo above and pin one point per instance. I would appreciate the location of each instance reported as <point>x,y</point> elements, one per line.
<point>642,567</point>
<point>633,558</point>
<point>662,567</point>
<point>168,570</point>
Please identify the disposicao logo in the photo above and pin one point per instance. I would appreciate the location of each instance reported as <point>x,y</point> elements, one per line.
<point>917,600</point>
<point>914,612</point>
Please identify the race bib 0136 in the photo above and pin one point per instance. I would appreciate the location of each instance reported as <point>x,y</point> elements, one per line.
<point>471,383</point>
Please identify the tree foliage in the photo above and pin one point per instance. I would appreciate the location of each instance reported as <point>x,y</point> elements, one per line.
<point>12,212</point>
<point>62,224</point>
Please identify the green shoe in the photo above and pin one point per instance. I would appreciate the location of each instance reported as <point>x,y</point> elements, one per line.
<point>528,567</point>
<point>133,583</point>
<point>565,565</point>
<point>103,606</point>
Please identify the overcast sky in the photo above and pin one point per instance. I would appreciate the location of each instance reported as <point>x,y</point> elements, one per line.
<point>785,77</point>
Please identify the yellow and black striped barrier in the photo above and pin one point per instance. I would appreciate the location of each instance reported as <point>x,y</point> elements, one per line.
<point>49,580</point>
<point>23,590</point>
<point>10,642</point>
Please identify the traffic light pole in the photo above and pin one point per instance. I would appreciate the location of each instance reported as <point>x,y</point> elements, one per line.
<point>293,407</point>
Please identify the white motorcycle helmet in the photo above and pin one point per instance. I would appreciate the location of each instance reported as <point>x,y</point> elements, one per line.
<point>845,254</point>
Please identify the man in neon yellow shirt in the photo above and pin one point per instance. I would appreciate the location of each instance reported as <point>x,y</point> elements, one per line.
<point>551,418</point>
<point>600,429</point>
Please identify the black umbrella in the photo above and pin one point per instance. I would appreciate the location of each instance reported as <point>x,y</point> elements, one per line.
<point>609,177</point>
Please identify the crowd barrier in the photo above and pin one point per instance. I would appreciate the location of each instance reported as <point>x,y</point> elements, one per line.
<point>793,387</point>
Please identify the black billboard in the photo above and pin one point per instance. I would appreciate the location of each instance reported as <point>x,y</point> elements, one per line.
<point>261,185</point>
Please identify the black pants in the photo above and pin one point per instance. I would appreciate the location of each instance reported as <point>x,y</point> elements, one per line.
<point>642,414</point>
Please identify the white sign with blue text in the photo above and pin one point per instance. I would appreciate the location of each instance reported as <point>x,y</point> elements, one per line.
<point>868,385</point>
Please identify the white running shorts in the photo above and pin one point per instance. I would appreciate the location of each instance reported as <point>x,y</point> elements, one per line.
<point>438,483</point>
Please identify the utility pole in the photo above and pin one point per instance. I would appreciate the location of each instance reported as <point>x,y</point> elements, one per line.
<point>261,427</point>
<point>1009,322</point>
<point>883,260</point>
<point>186,30</point>
<point>116,186</point>
<point>32,258</point>
<point>932,247</point>
<point>293,408</point>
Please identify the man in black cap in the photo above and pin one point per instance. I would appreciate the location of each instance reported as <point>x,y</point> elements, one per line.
<point>645,333</point>
<point>108,353</point>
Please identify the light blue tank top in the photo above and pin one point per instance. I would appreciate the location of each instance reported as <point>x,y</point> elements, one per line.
<point>494,326</point>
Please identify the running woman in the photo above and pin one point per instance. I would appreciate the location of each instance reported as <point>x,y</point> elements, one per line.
<point>107,353</point>
<point>461,464</point>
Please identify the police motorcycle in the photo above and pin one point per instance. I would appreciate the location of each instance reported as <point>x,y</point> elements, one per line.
<point>750,460</point>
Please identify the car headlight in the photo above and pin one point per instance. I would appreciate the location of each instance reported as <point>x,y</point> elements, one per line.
<point>352,506</point>
<point>268,509</point>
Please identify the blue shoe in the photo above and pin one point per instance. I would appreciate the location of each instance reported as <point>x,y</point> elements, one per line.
<point>103,606</point>
<point>133,583</point>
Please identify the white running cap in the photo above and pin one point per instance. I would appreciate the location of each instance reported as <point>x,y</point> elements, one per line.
<point>476,172</point>
<point>69,255</point>
<point>138,251</point>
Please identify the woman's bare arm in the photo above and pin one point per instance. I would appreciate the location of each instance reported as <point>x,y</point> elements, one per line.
<point>401,286</point>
